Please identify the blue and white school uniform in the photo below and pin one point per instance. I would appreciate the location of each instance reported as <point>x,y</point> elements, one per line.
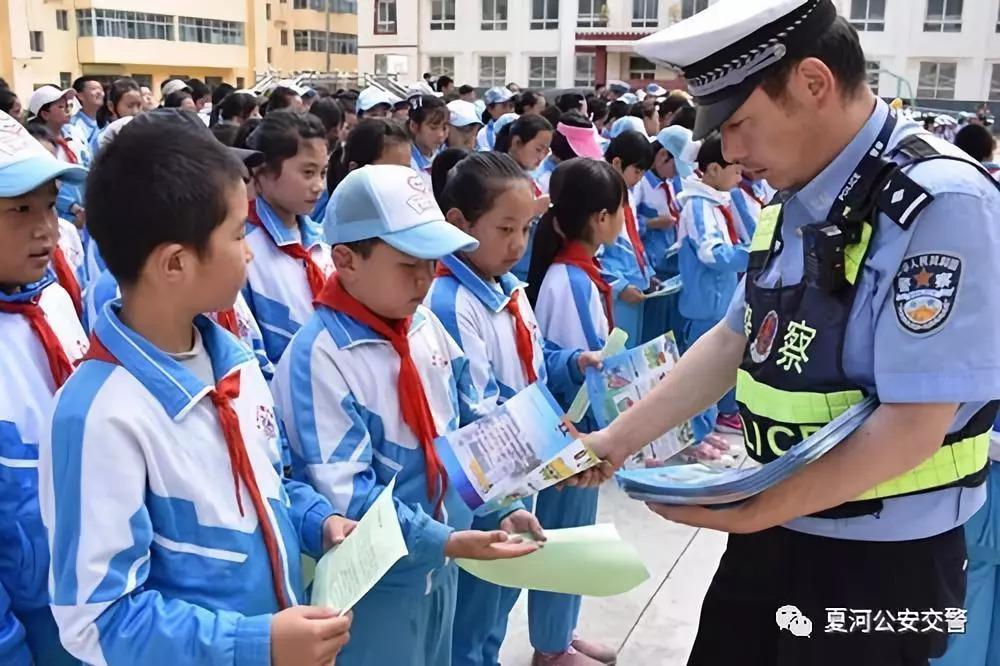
<point>475,314</point>
<point>710,265</point>
<point>422,164</point>
<point>570,312</point>
<point>88,130</point>
<point>70,193</point>
<point>487,137</point>
<point>105,289</point>
<point>29,388</point>
<point>620,263</point>
<point>152,562</point>
<point>72,248</point>
<point>336,389</point>
<point>277,290</point>
<point>747,201</point>
<point>543,174</point>
<point>655,198</point>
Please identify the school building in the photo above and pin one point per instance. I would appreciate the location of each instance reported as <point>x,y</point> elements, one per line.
<point>237,41</point>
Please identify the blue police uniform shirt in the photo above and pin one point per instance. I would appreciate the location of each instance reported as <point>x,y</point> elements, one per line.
<point>956,360</point>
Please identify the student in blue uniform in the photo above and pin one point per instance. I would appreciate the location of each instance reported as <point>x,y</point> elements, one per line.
<point>42,338</point>
<point>712,256</point>
<point>528,140</point>
<point>160,477</point>
<point>484,308</point>
<point>748,199</point>
<point>498,102</point>
<point>463,125</point>
<point>625,260</point>
<point>981,145</point>
<point>291,259</point>
<point>909,317</point>
<point>428,125</point>
<point>90,95</point>
<point>574,309</point>
<point>574,136</point>
<point>364,389</point>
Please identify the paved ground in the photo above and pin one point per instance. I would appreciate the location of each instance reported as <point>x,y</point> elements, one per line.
<point>655,624</point>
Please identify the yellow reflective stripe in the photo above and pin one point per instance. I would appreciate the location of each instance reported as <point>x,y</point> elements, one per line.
<point>855,254</point>
<point>792,406</point>
<point>766,224</point>
<point>948,465</point>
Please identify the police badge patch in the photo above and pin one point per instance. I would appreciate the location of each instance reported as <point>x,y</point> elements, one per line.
<point>924,291</point>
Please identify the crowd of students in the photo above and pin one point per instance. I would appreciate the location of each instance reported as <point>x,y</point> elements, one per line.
<point>224,342</point>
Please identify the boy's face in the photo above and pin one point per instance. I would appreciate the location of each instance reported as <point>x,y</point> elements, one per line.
<point>663,164</point>
<point>221,272</point>
<point>632,175</point>
<point>389,283</point>
<point>502,231</point>
<point>28,235</point>
<point>302,180</point>
<point>724,179</point>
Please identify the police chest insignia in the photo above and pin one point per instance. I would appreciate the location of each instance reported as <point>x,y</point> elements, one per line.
<point>924,291</point>
<point>760,348</point>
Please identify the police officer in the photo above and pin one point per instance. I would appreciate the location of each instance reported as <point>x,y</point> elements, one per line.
<point>876,275</point>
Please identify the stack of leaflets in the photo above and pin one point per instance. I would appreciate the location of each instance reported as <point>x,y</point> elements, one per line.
<point>520,448</point>
<point>701,485</point>
<point>623,380</point>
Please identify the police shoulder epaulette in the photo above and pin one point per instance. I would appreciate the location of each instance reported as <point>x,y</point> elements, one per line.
<point>902,199</point>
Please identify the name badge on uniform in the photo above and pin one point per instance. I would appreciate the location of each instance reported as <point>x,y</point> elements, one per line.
<point>924,291</point>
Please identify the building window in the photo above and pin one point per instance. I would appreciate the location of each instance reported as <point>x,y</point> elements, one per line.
<point>644,13</point>
<point>126,25</point>
<point>299,4</point>
<point>65,80</point>
<point>872,70</point>
<point>691,7</point>
<point>213,82</point>
<point>995,84</point>
<point>442,14</point>
<point>315,41</point>
<point>868,15</point>
<point>640,68</point>
<point>269,54</point>
<point>381,64</point>
<point>592,14</point>
<point>36,40</point>
<point>284,38</point>
<point>442,66</point>
<point>62,19</point>
<point>267,11</point>
<point>494,15</point>
<point>542,71</point>
<point>492,71</point>
<point>336,6</point>
<point>943,16</point>
<point>544,14</point>
<point>937,80</point>
<point>241,82</point>
<point>143,80</point>
<point>385,17</point>
<point>583,76</point>
<point>210,31</point>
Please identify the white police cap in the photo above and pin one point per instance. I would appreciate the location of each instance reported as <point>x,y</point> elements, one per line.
<point>725,50</point>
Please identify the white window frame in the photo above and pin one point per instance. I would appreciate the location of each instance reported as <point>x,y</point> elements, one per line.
<point>441,19</point>
<point>873,70</point>
<point>493,79</point>
<point>386,17</point>
<point>644,74</point>
<point>98,22</point>
<point>210,31</point>
<point>994,92</point>
<point>862,20</point>
<point>945,21</point>
<point>314,41</point>
<point>691,7</point>
<point>549,18</point>
<point>441,65</point>
<point>645,13</point>
<point>583,77</point>
<point>543,71</point>
<point>495,14</point>
<point>62,20</point>
<point>592,14</point>
<point>936,89</point>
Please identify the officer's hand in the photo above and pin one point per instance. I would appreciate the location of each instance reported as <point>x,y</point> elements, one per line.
<point>735,520</point>
<point>520,522</point>
<point>335,530</point>
<point>632,295</point>
<point>496,545</point>
<point>308,636</point>
<point>611,459</point>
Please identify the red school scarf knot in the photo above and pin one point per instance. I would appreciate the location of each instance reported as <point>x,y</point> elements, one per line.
<point>416,411</point>
<point>59,364</point>
<point>522,335</point>
<point>574,254</point>
<point>734,236</point>
<point>67,278</point>
<point>632,229</point>
<point>228,320</point>
<point>314,274</point>
<point>67,151</point>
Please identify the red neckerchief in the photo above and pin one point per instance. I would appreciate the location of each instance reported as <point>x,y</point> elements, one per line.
<point>748,188</point>
<point>59,364</point>
<point>632,229</point>
<point>522,336</point>
<point>413,403</point>
<point>314,274</point>
<point>672,206</point>
<point>574,254</point>
<point>67,279</point>
<point>64,144</point>
<point>734,236</point>
<point>537,190</point>
<point>227,319</point>
<point>227,390</point>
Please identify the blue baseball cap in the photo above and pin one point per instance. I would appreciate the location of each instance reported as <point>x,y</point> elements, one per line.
<point>392,203</point>
<point>678,141</point>
<point>626,124</point>
<point>26,165</point>
<point>497,95</point>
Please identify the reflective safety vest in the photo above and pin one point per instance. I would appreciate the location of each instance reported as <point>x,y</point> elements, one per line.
<point>791,381</point>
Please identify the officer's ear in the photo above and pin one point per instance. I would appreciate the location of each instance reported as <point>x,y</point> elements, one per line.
<point>814,83</point>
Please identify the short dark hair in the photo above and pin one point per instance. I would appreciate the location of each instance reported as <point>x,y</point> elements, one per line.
<point>443,82</point>
<point>198,89</point>
<point>176,98</point>
<point>685,117</point>
<point>237,105</point>
<point>597,108</point>
<point>673,104</point>
<point>367,140</point>
<point>525,128</point>
<point>280,135</point>
<point>465,89</point>
<point>839,47</point>
<point>41,132</point>
<point>7,99</point>
<point>632,148</point>
<point>525,99</point>
<point>711,152</point>
<point>244,132</point>
<point>149,187</point>
<point>977,141</point>
<point>363,247</point>
<point>281,98</point>
<point>329,111</point>
<point>112,95</point>
<point>82,81</point>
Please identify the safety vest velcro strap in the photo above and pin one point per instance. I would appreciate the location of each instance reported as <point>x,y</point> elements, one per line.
<point>798,407</point>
